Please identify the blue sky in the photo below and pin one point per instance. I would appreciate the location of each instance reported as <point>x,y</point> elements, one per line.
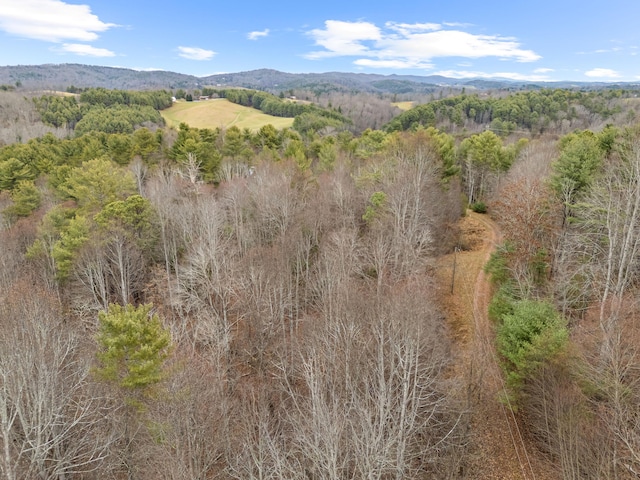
<point>540,41</point>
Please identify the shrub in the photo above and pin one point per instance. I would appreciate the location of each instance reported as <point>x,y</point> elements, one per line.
<point>498,266</point>
<point>502,302</point>
<point>26,198</point>
<point>478,207</point>
<point>529,337</point>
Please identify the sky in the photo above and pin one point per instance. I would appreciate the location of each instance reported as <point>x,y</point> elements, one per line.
<point>530,41</point>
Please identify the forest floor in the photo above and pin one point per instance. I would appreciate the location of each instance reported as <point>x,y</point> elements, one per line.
<point>500,448</point>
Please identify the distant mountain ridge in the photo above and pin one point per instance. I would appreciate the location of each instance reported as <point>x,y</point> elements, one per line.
<point>62,76</point>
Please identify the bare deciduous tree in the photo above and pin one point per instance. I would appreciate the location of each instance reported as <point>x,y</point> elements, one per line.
<point>610,228</point>
<point>191,424</point>
<point>368,397</point>
<point>53,426</point>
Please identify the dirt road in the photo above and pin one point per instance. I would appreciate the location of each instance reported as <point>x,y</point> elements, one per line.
<point>500,449</point>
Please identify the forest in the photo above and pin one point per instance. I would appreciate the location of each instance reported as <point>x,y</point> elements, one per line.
<point>222,303</point>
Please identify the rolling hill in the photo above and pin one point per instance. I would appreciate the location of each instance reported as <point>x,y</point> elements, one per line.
<point>61,76</point>
<point>220,113</point>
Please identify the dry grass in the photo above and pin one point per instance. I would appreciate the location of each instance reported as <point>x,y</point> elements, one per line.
<point>458,304</point>
<point>220,113</point>
<point>403,105</point>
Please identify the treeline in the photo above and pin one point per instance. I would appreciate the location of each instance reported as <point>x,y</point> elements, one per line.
<point>280,107</point>
<point>365,110</point>
<point>20,121</point>
<point>118,119</point>
<point>99,109</point>
<point>157,99</point>
<point>535,111</point>
<point>117,111</point>
<point>53,157</point>
<point>217,154</point>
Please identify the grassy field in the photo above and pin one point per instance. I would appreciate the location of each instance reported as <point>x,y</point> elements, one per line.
<point>220,113</point>
<point>403,105</point>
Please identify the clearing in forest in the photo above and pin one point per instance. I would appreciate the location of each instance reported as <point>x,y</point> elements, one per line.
<point>220,113</point>
<point>403,105</point>
<point>500,448</point>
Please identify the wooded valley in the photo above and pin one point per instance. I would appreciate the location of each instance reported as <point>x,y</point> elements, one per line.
<point>233,304</point>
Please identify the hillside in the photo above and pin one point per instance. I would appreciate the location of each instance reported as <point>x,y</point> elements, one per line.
<point>220,113</point>
<point>61,76</point>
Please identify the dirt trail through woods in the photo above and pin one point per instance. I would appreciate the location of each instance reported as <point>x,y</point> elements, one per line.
<point>500,448</point>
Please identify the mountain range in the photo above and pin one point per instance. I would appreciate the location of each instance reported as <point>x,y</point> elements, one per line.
<point>62,76</point>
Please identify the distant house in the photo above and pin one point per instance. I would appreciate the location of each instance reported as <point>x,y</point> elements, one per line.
<point>203,97</point>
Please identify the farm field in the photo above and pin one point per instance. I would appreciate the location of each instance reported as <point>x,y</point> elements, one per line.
<point>220,113</point>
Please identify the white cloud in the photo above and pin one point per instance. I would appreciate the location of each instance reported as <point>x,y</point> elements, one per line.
<point>543,70</point>
<point>457,24</point>
<point>408,28</point>
<point>195,53</point>
<point>602,50</point>
<point>86,50</point>
<point>343,38</point>
<point>401,44</point>
<point>462,74</point>
<point>608,50</point>
<point>50,20</point>
<point>398,64</point>
<point>455,43</point>
<point>602,73</point>
<point>258,34</point>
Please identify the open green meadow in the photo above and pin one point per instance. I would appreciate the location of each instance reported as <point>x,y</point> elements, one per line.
<point>220,113</point>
